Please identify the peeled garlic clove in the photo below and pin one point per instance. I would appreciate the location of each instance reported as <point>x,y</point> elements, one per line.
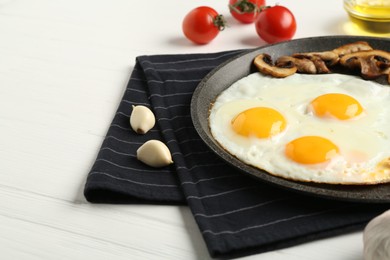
<point>376,238</point>
<point>154,153</point>
<point>142,119</point>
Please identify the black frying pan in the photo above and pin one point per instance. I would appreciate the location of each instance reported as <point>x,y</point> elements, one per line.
<point>234,69</point>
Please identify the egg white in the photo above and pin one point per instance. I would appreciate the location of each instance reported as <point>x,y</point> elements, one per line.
<point>364,141</point>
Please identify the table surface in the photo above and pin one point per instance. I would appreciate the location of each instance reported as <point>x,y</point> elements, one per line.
<point>63,69</point>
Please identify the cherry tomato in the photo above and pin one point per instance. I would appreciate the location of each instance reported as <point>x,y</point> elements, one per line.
<point>275,24</point>
<point>245,11</point>
<point>202,24</point>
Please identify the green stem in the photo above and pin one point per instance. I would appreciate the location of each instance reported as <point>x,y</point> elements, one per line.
<point>220,22</point>
<point>244,6</point>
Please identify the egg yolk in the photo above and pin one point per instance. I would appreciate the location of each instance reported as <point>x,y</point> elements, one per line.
<point>340,106</point>
<point>261,122</point>
<point>311,150</point>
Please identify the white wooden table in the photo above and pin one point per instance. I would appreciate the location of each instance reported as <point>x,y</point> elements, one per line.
<point>63,68</point>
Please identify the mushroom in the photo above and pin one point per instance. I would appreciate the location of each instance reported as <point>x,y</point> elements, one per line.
<point>372,64</point>
<point>303,65</point>
<point>264,64</point>
<point>320,65</point>
<point>352,47</point>
<point>329,57</point>
<point>321,60</point>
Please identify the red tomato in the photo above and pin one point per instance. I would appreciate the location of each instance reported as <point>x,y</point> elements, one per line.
<point>202,24</point>
<point>275,24</point>
<point>245,11</point>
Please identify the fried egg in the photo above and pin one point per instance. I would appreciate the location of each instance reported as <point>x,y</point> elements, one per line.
<point>329,128</point>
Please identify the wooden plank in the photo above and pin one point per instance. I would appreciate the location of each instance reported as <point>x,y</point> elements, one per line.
<point>41,222</point>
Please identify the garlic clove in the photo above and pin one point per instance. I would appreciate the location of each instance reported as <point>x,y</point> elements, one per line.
<point>154,153</point>
<point>376,238</point>
<point>142,119</point>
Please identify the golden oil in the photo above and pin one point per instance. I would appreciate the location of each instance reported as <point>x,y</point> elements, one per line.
<point>370,15</point>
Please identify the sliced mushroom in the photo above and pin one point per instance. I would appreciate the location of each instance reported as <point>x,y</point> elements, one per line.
<point>320,64</point>
<point>372,64</point>
<point>265,65</point>
<point>303,65</point>
<point>329,57</point>
<point>352,47</point>
<point>369,68</point>
<point>382,57</point>
<point>383,63</point>
<point>387,72</point>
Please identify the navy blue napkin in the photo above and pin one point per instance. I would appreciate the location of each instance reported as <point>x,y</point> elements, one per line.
<point>236,214</point>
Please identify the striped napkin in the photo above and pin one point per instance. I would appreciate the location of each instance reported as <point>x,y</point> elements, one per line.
<point>236,214</point>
